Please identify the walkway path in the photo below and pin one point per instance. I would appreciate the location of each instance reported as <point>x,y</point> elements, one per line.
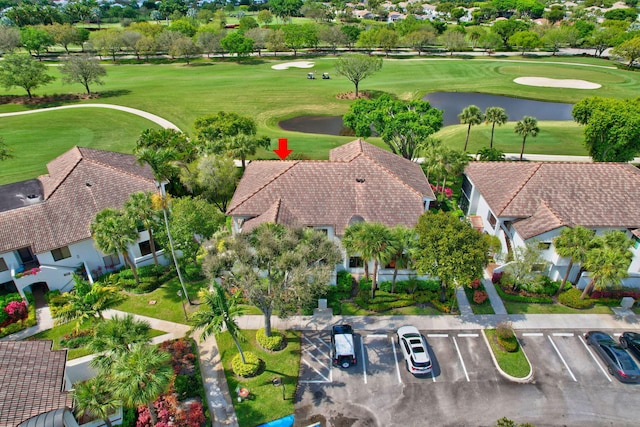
<point>166,124</point>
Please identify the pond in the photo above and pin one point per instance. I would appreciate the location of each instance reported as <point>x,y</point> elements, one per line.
<point>452,103</point>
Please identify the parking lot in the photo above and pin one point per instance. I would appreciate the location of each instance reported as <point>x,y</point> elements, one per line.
<point>568,388</point>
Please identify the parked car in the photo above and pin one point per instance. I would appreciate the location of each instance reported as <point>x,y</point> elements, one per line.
<point>343,352</point>
<point>619,363</point>
<point>415,350</point>
<point>631,341</point>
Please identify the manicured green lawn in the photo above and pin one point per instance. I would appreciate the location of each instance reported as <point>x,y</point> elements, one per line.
<point>265,401</point>
<point>181,93</point>
<point>514,364</point>
<point>168,305</point>
<point>525,308</point>
<point>58,332</point>
<point>38,138</point>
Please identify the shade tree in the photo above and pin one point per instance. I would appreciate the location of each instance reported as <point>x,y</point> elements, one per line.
<point>23,71</point>
<point>277,269</point>
<point>84,70</point>
<point>357,68</point>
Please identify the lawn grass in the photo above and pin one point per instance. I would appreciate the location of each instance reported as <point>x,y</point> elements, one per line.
<point>58,332</point>
<point>265,401</point>
<point>514,364</point>
<point>528,308</point>
<point>181,93</point>
<point>168,305</point>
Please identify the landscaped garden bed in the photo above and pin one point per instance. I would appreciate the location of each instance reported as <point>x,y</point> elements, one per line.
<point>478,298</point>
<point>507,351</point>
<point>256,399</point>
<point>15,314</point>
<point>410,297</point>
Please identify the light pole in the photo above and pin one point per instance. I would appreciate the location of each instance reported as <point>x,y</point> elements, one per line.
<point>163,194</point>
<point>183,307</point>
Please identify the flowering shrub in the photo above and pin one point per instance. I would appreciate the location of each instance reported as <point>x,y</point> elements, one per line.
<point>31,272</point>
<point>475,284</point>
<point>479,297</point>
<point>192,416</point>
<point>440,190</point>
<point>16,310</point>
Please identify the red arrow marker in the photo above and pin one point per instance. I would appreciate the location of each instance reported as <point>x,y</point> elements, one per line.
<point>282,151</point>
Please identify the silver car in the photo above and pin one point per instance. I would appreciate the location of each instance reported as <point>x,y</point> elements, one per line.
<point>414,349</point>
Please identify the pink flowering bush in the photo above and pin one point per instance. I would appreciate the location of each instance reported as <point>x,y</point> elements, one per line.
<point>442,191</point>
<point>16,310</point>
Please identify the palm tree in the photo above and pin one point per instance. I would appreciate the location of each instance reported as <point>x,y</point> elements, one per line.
<point>525,127</point>
<point>495,116</point>
<point>140,209</point>
<point>87,302</point>
<point>471,115</point>
<point>405,242</point>
<point>378,244</point>
<point>608,261</point>
<point>94,398</point>
<point>352,243</point>
<point>113,232</point>
<point>218,313</point>
<point>163,164</point>
<point>113,338</point>
<point>573,243</point>
<point>141,376</point>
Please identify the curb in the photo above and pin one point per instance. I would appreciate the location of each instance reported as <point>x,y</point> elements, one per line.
<point>523,380</point>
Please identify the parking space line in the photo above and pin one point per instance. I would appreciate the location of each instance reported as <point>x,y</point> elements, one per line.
<point>563,334</point>
<point>364,363</point>
<point>316,359</point>
<point>395,356</point>
<point>594,358</point>
<point>438,335</point>
<point>617,334</point>
<point>317,372</point>
<point>464,368</point>
<point>562,358</point>
<point>532,334</point>
<point>377,335</point>
<point>468,335</point>
<point>316,346</point>
<point>326,344</point>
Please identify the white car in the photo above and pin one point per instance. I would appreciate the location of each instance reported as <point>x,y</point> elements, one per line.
<point>414,349</point>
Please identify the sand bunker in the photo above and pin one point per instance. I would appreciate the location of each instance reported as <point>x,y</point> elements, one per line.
<point>562,83</point>
<point>295,64</point>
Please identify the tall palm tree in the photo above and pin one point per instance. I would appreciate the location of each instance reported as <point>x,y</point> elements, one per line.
<point>94,398</point>
<point>573,243</point>
<point>163,163</point>
<point>113,232</point>
<point>404,244</point>
<point>377,244</point>
<point>141,376</point>
<point>113,338</point>
<point>216,313</point>
<point>353,243</point>
<point>525,127</point>
<point>140,209</point>
<point>608,261</point>
<point>470,115</point>
<point>87,302</point>
<point>495,116</point>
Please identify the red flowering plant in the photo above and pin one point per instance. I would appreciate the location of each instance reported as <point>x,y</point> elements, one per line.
<point>16,310</point>
<point>442,193</point>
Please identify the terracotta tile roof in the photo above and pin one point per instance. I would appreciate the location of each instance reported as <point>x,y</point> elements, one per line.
<point>32,378</point>
<point>80,183</point>
<point>278,213</point>
<point>360,179</point>
<point>588,194</point>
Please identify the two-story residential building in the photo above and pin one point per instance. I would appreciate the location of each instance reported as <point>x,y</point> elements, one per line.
<point>44,222</point>
<point>521,202</point>
<point>359,182</point>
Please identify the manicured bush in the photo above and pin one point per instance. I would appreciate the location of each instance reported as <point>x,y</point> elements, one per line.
<point>186,386</point>
<point>344,282</point>
<point>77,339</point>
<point>506,338</point>
<point>248,369</point>
<point>479,297</point>
<point>496,277</point>
<point>275,342</point>
<point>475,284</point>
<point>571,298</point>
<point>508,296</point>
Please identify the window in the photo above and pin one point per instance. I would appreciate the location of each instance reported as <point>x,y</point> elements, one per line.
<point>466,186</point>
<point>543,246</point>
<point>491,219</point>
<point>3,265</point>
<point>636,242</point>
<point>61,253</point>
<point>355,262</point>
<point>145,248</point>
<point>111,261</point>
